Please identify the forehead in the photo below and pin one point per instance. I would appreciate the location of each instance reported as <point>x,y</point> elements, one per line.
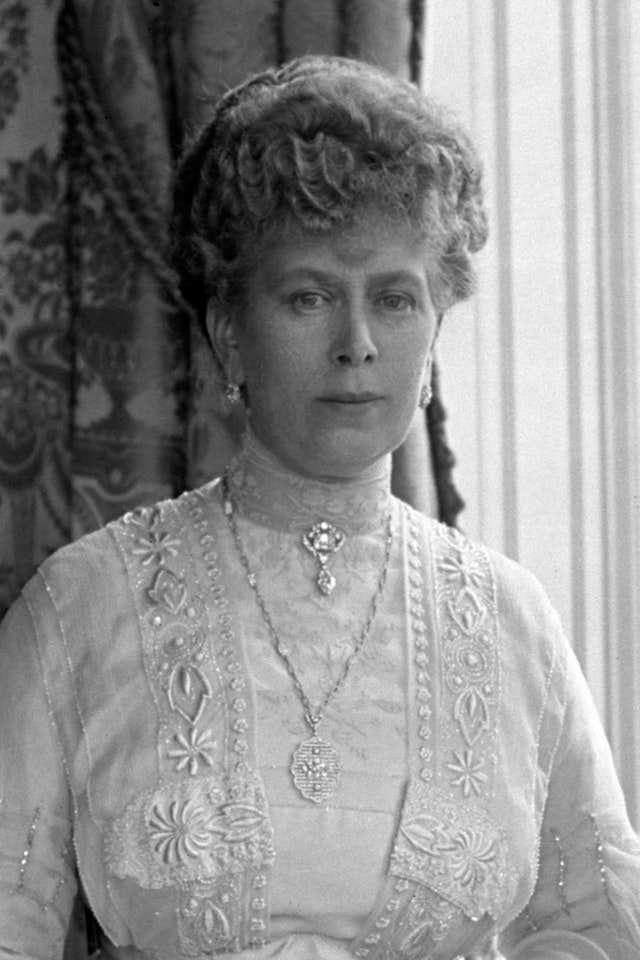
<point>373,243</point>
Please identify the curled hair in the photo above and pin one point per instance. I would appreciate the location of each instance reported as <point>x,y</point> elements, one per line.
<point>317,142</point>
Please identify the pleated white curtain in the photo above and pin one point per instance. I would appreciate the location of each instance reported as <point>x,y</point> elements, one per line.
<point>541,369</point>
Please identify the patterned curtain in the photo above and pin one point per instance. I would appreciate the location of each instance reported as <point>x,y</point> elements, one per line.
<point>108,398</point>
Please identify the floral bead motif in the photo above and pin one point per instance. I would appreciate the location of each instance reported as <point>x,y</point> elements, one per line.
<point>191,831</point>
<point>468,852</point>
<point>193,750</point>
<point>468,772</point>
<point>155,546</point>
<point>180,832</point>
<point>458,847</point>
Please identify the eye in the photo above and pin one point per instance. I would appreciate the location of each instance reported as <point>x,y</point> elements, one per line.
<point>309,300</point>
<point>396,302</point>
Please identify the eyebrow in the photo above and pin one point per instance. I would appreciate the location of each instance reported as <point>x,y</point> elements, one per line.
<point>322,276</point>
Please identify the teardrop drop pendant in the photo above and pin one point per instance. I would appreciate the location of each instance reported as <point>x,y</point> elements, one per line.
<point>322,540</point>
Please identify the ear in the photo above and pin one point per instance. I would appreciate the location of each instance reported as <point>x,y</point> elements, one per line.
<point>222,327</point>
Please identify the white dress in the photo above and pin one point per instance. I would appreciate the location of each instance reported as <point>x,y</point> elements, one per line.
<point>148,728</point>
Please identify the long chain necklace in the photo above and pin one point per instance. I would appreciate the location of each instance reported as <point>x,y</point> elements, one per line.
<point>315,765</point>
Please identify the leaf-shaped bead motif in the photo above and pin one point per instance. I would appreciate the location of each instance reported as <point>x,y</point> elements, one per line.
<point>472,713</point>
<point>426,833</point>
<point>237,822</point>
<point>168,591</point>
<point>189,690</point>
<point>214,923</point>
<point>467,611</point>
<point>209,923</point>
<point>428,919</point>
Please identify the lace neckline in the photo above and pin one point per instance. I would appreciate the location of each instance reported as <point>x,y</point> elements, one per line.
<point>270,494</point>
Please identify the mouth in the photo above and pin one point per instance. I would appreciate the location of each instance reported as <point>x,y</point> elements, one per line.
<point>352,398</point>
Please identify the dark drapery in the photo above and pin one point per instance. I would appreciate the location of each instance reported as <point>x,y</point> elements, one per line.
<point>107,398</point>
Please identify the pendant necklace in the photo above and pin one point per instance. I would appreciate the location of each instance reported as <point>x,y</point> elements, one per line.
<point>315,765</point>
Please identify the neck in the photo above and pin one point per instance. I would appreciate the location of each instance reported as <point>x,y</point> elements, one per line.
<point>262,488</point>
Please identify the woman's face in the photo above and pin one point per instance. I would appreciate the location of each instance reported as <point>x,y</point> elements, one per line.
<point>333,343</point>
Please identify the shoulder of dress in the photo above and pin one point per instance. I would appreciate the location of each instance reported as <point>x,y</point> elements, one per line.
<point>94,562</point>
<point>163,511</point>
<point>522,598</point>
<point>523,609</point>
<point>69,561</point>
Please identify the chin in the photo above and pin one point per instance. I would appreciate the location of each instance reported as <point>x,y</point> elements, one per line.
<point>347,462</point>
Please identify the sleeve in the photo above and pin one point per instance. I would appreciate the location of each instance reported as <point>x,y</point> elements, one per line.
<point>586,903</point>
<point>37,877</point>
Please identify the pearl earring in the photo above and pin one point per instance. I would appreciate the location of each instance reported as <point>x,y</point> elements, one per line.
<point>425,397</point>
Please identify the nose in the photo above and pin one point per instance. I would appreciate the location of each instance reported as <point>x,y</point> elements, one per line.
<point>353,343</point>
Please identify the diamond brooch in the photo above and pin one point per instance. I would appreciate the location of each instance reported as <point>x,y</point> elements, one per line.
<point>322,540</point>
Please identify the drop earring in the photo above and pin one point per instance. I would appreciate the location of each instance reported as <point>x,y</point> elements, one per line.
<point>232,392</point>
<point>425,397</point>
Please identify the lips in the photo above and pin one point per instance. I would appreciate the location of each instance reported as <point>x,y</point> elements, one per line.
<point>354,398</point>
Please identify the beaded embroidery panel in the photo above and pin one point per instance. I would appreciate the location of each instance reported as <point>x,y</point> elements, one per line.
<point>204,829</point>
<point>466,613</point>
<point>447,834</point>
<point>449,873</point>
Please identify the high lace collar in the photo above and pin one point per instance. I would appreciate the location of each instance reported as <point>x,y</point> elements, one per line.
<point>271,494</point>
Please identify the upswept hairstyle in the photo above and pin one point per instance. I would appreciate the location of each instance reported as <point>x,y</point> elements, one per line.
<point>315,143</point>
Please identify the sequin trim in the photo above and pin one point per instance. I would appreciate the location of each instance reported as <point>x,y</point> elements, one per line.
<point>562,872</point>
<point>602,870</point>
<point>572,847</point>
<point>26,853</point>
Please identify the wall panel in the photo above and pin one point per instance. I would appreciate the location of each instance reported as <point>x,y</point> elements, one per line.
<point>540,370</point>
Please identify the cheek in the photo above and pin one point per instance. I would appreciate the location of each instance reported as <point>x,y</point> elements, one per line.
<point>409,362</point>
<point>276,370</point>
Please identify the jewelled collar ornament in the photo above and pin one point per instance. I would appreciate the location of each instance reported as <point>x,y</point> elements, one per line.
<point>322,540</point>
<point>315,765</point>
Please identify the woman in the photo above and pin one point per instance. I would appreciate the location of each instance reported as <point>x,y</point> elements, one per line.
<point>285,714</point>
